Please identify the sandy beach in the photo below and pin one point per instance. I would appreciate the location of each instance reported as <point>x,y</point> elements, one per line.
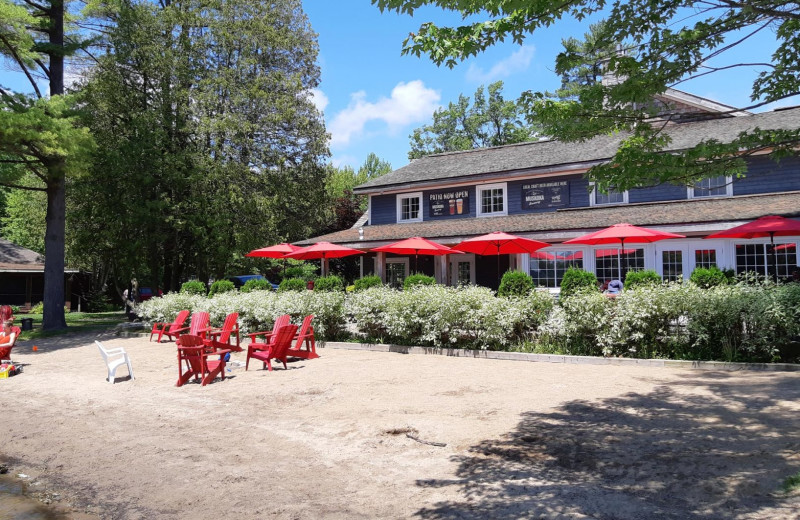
<point>327,438</point>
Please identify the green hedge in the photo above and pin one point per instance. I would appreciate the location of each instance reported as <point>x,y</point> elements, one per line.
<point>418,279</point>
<point>515,283</point>
<point>221,286</point>
<point>292,284</point>
<point>577,280</point>
<point>708,277</point>
<point>329,284</point>
<point>643,277</point>
<point>366,282</point>
<point>256,284</point>
<point>194,287</point>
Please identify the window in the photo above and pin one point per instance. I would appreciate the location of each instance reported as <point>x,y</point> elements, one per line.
<point>409,207</point>
<point>396,269</point>
<point>492,200</point>
<point>596,198</point>
<point>607,263</point>
<point>672,265</point>
<point>547,269</point>
<point>705,258</point>
<point>758,258</point>
<point>713,187</point>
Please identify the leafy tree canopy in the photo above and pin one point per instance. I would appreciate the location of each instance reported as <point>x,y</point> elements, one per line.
<point>662,44</point>
<point>490,121</point>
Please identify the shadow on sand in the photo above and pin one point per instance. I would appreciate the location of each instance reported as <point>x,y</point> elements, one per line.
<point>719,451</point>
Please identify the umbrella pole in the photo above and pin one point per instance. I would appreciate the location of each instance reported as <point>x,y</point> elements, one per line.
<point>774,257</point>
<point>619,258</point>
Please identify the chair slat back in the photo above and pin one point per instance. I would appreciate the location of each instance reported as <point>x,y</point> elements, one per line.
<point>301,336</point>
<point>227,327</point>
<point>191,349</point>
<point>282,340</point>
<point>281,321</point>
<point>198,324</point>
<point>180,319</point>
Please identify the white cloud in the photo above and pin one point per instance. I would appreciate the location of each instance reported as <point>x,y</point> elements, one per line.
<point>409,103</point>
<point>519,61</point>
<point>319,99</point>
<point>344,160</point>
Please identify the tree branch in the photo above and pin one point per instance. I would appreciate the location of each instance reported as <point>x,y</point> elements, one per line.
<point>762,10</point>
<point>21,64</point>
<point>21,187</point>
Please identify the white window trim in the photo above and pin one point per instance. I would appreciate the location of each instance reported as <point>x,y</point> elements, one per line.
<point>593,197</point>
<point>479,202</point>
<point>399,260</point>
<point>399,204</point>
<point>728,190</point>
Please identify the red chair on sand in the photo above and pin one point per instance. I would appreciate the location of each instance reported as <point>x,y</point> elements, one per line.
<point>306,335</point>
<point>194,362</point>
<point>279,322</point>
<point>197,327</point>
<point>221,337</point>
<point>169,329</point>
<point>5,348</point>
<point>277,348</point>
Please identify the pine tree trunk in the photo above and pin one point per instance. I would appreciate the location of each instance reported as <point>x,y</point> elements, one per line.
<point>53,317</point>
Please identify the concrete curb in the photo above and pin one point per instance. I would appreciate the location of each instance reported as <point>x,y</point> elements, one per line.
<point>576,360</point>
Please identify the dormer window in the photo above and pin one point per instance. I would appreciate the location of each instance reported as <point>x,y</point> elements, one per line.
<point>409,207</point>
<point>720,186</point>
<point>492,200</point>
<point>597,198</point>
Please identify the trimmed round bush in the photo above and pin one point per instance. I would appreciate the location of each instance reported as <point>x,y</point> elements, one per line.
<point>304,272</point>
<point>292,284</point>
<point>577,280</point>
<point>707,277</point>
<point>256,285</point>
<point>641,278</point>
<point>194,287</point>
<point>330,283</point>
<point>515,283</point>
<point>418,279</point>
<point>367,282</point>
<point>221,286</point>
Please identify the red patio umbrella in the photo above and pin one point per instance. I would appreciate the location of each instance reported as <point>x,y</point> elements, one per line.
<point>276,251</point>
<point>416,246</point>
<point>769,226</point>
<point>621,233</point>
<point>322,251</point>
<point>499,243</point>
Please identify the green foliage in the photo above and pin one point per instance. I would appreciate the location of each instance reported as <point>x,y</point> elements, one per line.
<point>292,284</point>
<point>38,308</point>
<point>24,222</point>
<point>256,285</point>
<point>328,284</point>
<point>791,483</point>
<point>659,47</point>
<point>577,280</point>
<point>304,271</point>
<point>366,282</point>
<point>418,279</point>
<point>643,277</point>
<point>488,122</point>
<point>708,277</point>
<point>194,287</point>
<point>515,283</point>
<point>221,286</point>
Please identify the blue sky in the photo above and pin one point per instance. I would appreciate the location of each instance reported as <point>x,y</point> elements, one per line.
<point>373,98</point>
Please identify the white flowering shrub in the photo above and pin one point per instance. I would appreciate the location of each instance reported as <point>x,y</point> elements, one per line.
<point>466,316</point>
<point>257,310</point>
<point>742,322</point>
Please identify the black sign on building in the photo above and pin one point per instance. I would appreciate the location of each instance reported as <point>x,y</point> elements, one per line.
<point>446,203</point>
<point>542,195</point>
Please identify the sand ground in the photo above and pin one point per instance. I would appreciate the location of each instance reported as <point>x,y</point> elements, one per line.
<point>327,438</point>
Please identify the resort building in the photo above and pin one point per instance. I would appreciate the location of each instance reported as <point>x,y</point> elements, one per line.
<point>538,190</point>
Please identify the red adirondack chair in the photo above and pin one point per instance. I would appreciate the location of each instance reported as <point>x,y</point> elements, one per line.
<point>221,337</point>
<point>277,348</point>
<point>279,322</point>
<point>169,329</point>
<point>194,362</point>
<point>197,327</point>
<point>305,335</point>
<point>5,348</point>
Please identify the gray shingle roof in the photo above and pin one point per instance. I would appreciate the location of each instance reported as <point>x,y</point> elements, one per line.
<point>549,154</point>
<point>696,211</point>
<point>16,257</point>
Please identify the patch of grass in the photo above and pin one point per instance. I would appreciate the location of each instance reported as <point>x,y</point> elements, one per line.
<point>792,483</point>
<point>76,322</point>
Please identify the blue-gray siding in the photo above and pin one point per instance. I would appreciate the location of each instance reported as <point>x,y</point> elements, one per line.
<point>763,176</point>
